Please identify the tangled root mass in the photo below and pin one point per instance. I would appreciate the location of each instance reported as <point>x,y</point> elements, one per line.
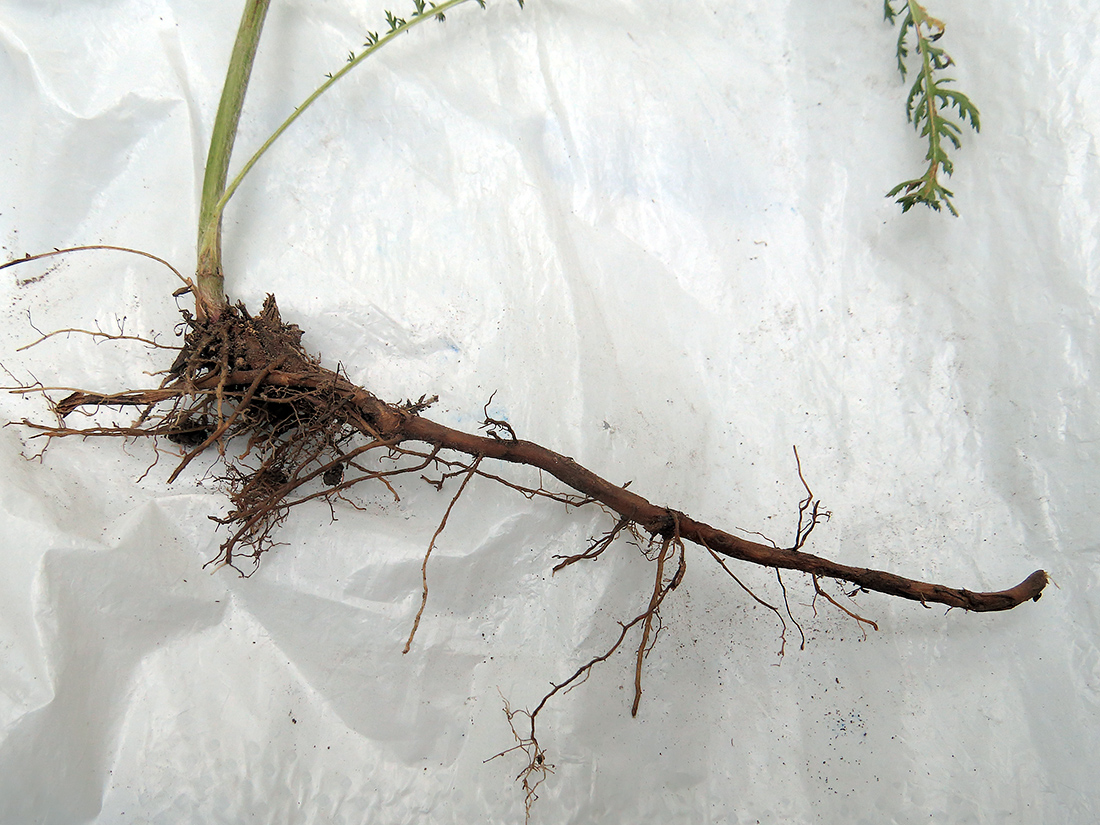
<point>244,385</point>
<point>288,430</point>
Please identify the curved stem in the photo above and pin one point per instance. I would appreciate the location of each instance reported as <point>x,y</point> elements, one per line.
<point>354,61</point>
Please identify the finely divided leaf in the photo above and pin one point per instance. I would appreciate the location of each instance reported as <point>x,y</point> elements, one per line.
<point>928,103</point>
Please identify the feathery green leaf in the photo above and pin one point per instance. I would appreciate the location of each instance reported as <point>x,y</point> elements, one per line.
<point>928,103</point>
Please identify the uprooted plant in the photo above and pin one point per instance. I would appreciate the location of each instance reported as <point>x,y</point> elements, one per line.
<point>288,430</point>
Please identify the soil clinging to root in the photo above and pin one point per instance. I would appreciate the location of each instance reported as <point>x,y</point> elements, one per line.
<point>243,384</point>
<point>288,430</point>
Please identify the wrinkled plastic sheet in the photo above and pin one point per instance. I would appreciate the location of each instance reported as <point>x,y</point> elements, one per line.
<point>658,232</point>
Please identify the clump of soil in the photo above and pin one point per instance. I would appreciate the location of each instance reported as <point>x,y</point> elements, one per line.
<point>244,385</point>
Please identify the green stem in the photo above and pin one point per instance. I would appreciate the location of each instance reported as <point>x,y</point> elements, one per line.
<point>353,61</point>
<point>209,278</point>
<point>920,19</point>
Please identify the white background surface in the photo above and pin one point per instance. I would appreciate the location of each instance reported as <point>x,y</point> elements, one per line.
<point>657,229</point>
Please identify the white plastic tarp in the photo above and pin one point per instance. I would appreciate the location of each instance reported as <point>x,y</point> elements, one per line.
<point>657,231</point>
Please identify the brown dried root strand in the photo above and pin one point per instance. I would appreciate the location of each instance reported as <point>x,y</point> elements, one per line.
<point>597,545</point>
<point>244,378</point>
<point>528,743</point>
<point>779,613</point>
<point>661,521</point>
<point>247,378</point>
<point>97,333</point>
<point>860,620</point>
<point>470,473</point>
<point>396,426</point>
<point>659,592</point>
<point>536,770</point>
<point>221,363</point>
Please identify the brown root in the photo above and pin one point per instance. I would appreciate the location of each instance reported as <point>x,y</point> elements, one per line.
<point>860,620</point>
<point>288,430</point>
<point>431,545</point>
<point>244,377</point>
<point>536,770</point>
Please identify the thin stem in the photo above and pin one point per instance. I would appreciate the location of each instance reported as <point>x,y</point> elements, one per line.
<point>354,60</point>
<point>921,19</point>
<point>210,295</point>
